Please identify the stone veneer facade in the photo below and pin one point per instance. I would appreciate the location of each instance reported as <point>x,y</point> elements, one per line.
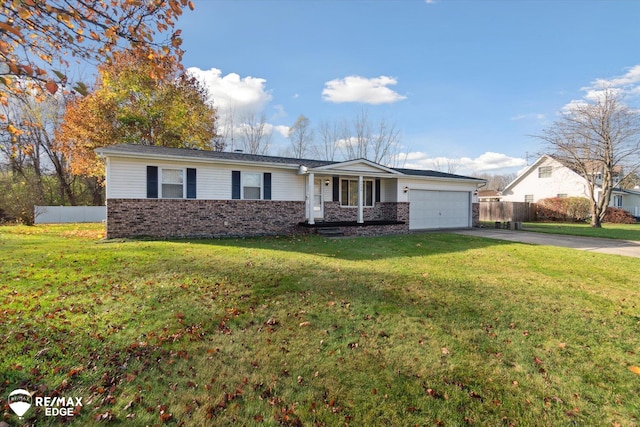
<point>167,218</point>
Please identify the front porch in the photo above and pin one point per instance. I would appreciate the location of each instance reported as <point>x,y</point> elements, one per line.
<point>383,218</point>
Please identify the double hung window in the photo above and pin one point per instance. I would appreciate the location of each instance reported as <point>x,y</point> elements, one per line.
<point>172,183</point>
<point>251,186</point>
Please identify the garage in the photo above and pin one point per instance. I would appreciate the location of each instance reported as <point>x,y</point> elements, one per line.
<point>430,209</point>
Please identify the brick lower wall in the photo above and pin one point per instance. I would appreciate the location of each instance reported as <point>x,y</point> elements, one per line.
<point>390,211</point>
<point>475,214</point>
<point>202,218</point>
<point>230,218</point>
<point>387,211</point>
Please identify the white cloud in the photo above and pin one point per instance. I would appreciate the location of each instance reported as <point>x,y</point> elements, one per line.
<point>232,93</point>
<point>529,116</point>
<point>282,130</point>
<point>360,89</point>
<point>630,79</point>
<point>489,162</point>
<point>626,84</point>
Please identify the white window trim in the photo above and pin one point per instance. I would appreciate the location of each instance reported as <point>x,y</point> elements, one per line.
<point>364,181</point>
<point>184,182</point>
<point>617,201</point>
<point>243,174</point>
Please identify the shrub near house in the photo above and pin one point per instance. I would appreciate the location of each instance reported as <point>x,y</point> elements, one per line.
<point>573,209</point>
<point>577,209</point>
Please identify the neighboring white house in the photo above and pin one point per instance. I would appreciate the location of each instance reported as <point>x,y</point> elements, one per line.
<point>169,192</point>
<point>548,177</point>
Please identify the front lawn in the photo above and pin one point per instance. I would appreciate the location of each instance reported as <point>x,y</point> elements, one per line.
<point>609,231</point>
<point>425,329</point>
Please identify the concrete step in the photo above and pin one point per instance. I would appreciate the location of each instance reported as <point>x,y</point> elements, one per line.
<point>330,232</point>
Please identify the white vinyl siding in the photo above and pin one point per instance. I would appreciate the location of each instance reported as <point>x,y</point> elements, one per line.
<point>562,181</point>
<point>128,179</point>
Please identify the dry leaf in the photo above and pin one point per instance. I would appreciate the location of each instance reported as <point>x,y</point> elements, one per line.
<point>635,369</point>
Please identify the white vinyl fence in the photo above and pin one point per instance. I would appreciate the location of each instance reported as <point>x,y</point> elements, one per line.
<point>60,214</point>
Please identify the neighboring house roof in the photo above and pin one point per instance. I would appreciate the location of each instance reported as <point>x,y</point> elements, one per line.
<point>622,190</point>
<point>157,152</point>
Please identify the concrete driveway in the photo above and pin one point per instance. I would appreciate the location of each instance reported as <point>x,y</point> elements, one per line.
<point>592,244</point>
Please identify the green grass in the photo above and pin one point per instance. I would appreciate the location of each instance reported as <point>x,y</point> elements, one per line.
<point>424,329</point>
<point>610,231</point>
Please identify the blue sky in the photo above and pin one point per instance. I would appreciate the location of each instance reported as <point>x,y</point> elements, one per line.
<point>465,81</point>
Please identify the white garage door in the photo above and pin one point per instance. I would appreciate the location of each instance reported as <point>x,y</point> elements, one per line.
<point>438,209</point>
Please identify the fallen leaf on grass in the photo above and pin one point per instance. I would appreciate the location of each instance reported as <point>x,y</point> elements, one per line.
<point>635,369</point>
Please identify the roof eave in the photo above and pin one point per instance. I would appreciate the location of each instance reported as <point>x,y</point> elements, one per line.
<point>105,152</point>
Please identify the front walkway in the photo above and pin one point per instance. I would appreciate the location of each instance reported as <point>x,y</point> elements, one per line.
<point>592,244</point>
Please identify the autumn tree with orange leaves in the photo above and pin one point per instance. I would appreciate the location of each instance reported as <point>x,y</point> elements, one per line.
<point>40,37</point>
<point>136,102</point>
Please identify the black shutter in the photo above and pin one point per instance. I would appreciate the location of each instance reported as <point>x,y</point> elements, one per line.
<point>336,189</point>
<point>152,182</point>
<point>191,183</point>
<point>235,184</point>
<point>377,191</point>
<point>267,185</point>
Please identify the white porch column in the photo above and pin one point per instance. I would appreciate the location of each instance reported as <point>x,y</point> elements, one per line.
<point>311,197</point>
<point>360,199</point>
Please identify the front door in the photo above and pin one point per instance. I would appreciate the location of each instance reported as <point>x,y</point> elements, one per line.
<point>318,199</point>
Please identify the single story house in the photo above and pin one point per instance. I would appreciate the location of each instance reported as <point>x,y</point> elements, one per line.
<point>548,177</point>
<point>171,192</point>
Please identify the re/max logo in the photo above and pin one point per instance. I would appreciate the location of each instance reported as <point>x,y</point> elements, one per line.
<point>57,401</point>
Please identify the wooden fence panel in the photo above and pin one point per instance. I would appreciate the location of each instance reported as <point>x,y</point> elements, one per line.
<point>507,211</point>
